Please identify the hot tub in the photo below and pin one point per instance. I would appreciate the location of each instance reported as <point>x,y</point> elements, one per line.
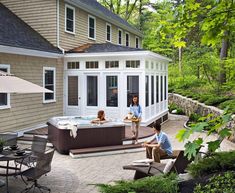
<point>87,134</point>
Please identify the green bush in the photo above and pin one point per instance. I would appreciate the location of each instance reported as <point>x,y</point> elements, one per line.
<point>194,117</point>
<point>215,100</point>
<point>173,106</point>
<point>218,162</point>
<point>155,184</point>
<point>230,104</point>
<point>222,183</point>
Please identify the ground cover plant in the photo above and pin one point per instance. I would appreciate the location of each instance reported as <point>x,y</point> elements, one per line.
<point>154,184</point>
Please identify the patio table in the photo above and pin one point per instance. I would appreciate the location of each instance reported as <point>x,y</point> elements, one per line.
<point>7,156</point>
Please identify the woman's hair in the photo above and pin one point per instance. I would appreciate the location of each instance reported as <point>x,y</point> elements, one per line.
<point>132,103</point>
<point>100,115</point>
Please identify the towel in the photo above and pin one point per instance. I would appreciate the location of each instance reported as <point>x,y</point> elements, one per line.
<point>73,130</point>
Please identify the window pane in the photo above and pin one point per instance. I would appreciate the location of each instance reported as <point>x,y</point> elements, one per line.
<point>157,89</point>
<point>69,19</point>
<point>127,39</point>
<point>73,90</point>
<point>69,13</point>
<point>69,26</point>
<point>108,33</point>
<point>91,33</point>
<point>132,88</point>
<point>3,99</point>
<point>92,88</point>
<point>137,42</point>
<point>152,90</point>
<point>112,91</point>
<point>165,88</point>
<point>146,91</point>
<point>49,77</point>
<point>120,37</point>
<point>91,22</point>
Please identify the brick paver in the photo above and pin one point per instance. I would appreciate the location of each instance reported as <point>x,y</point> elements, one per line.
<point>79,175</point>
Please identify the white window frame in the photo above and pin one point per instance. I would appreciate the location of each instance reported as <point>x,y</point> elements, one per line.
<point>8,106</point>
<point>136,37</point>
<point>91,38</point>
<point>118,36</point>
<point>65,26</point>
<point>107,24</point>
<point>54,92</point>
<point>127,33</point>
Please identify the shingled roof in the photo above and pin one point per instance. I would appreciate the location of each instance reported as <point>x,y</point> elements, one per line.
<point>16,33</point>
<point>103,47</point>
<point>96,8</point>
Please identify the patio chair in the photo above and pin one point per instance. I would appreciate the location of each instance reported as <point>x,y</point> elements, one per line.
<point>42,167</point>
<point>38,147</point>
<point>179,166</point>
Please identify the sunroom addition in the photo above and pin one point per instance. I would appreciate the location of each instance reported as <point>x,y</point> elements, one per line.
<point>107,76</point>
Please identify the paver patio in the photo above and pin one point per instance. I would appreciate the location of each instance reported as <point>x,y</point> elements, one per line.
<point>76,175</point>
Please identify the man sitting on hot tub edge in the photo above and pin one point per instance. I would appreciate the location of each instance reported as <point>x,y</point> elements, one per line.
<point>159,146</point>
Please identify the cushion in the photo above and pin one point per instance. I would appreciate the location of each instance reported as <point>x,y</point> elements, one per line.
<point>168,166</point>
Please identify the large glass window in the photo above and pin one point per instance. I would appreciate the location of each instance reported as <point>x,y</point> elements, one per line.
<point>108,32</point>
<point>73,90</point>
<point>137,42</point>
<point>146,91</point>
<point>69,19</point>
<point>91,21</point>
<point>92,64</point>
<point>112,91</point>
<point>152,90</point>
<point>72,65</point>
<point>165,87</point>
<point>127,39</point>
<point>120,37</point>
<point>4,102</point>
<point>157,89</point>
<point>132,88</point>
<point>49,83</point>
<point>92,91</point>
<point>161,85</point>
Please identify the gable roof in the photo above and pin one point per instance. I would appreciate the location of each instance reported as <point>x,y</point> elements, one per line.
<point>16,33</point>
<point>102,47</point>
<point>95,8</point>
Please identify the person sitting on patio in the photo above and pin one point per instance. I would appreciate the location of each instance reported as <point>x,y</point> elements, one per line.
<point>100,118</point>
<point>159,146</point>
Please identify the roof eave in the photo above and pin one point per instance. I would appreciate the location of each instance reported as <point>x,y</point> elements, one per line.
<point>110,20</point>
<point>140,53</point>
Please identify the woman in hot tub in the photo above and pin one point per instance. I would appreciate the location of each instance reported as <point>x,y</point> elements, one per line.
<point>100,118</point>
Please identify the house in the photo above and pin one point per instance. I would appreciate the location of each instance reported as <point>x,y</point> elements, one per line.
<point>95,58</point>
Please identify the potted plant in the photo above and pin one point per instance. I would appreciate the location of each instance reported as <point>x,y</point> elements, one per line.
<point>2,142</point>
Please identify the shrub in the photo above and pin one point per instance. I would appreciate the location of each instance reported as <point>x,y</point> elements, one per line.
<point>224,183</point>
<point>219,161</point>
<point>173,106</point>
<point>215,100</point>
<point>155,184</point>
<point>230,104</point>
<point>194,117</point>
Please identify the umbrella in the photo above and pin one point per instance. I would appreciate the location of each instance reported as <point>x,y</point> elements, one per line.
<point>12,84</point>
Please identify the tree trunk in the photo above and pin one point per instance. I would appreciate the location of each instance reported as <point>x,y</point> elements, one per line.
<point>223,56</point>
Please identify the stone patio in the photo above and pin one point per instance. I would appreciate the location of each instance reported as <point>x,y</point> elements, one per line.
<point>78,175</point>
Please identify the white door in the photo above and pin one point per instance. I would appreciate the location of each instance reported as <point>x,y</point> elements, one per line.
<point>73,100</point>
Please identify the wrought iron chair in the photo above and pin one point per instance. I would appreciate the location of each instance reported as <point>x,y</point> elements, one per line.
<point>43,166</point>
<point>38,147</point>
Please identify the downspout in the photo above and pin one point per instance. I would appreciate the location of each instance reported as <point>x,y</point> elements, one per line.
<point>58,26</point>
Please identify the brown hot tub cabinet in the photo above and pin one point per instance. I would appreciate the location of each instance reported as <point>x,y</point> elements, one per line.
<point>93,136</point>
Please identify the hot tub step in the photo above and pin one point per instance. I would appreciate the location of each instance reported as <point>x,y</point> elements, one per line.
<point>105,150</point>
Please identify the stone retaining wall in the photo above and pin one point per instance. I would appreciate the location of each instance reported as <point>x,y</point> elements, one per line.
<point>190,106</point>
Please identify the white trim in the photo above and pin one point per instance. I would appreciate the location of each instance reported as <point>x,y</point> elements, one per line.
<point>92,17</point>
<point>116,54</point>
<point>28,52</point>
<point>54,91</point>
<point>8,105</point>
<point>65,20</point>
<point>121,37</point>
<point>136,37</point>
<point>127,33</point>
<point>107,24</point>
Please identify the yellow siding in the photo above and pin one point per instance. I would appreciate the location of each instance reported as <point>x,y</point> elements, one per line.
<point>28,110</point>
<point>39,14</point>
<point>69,41</point>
